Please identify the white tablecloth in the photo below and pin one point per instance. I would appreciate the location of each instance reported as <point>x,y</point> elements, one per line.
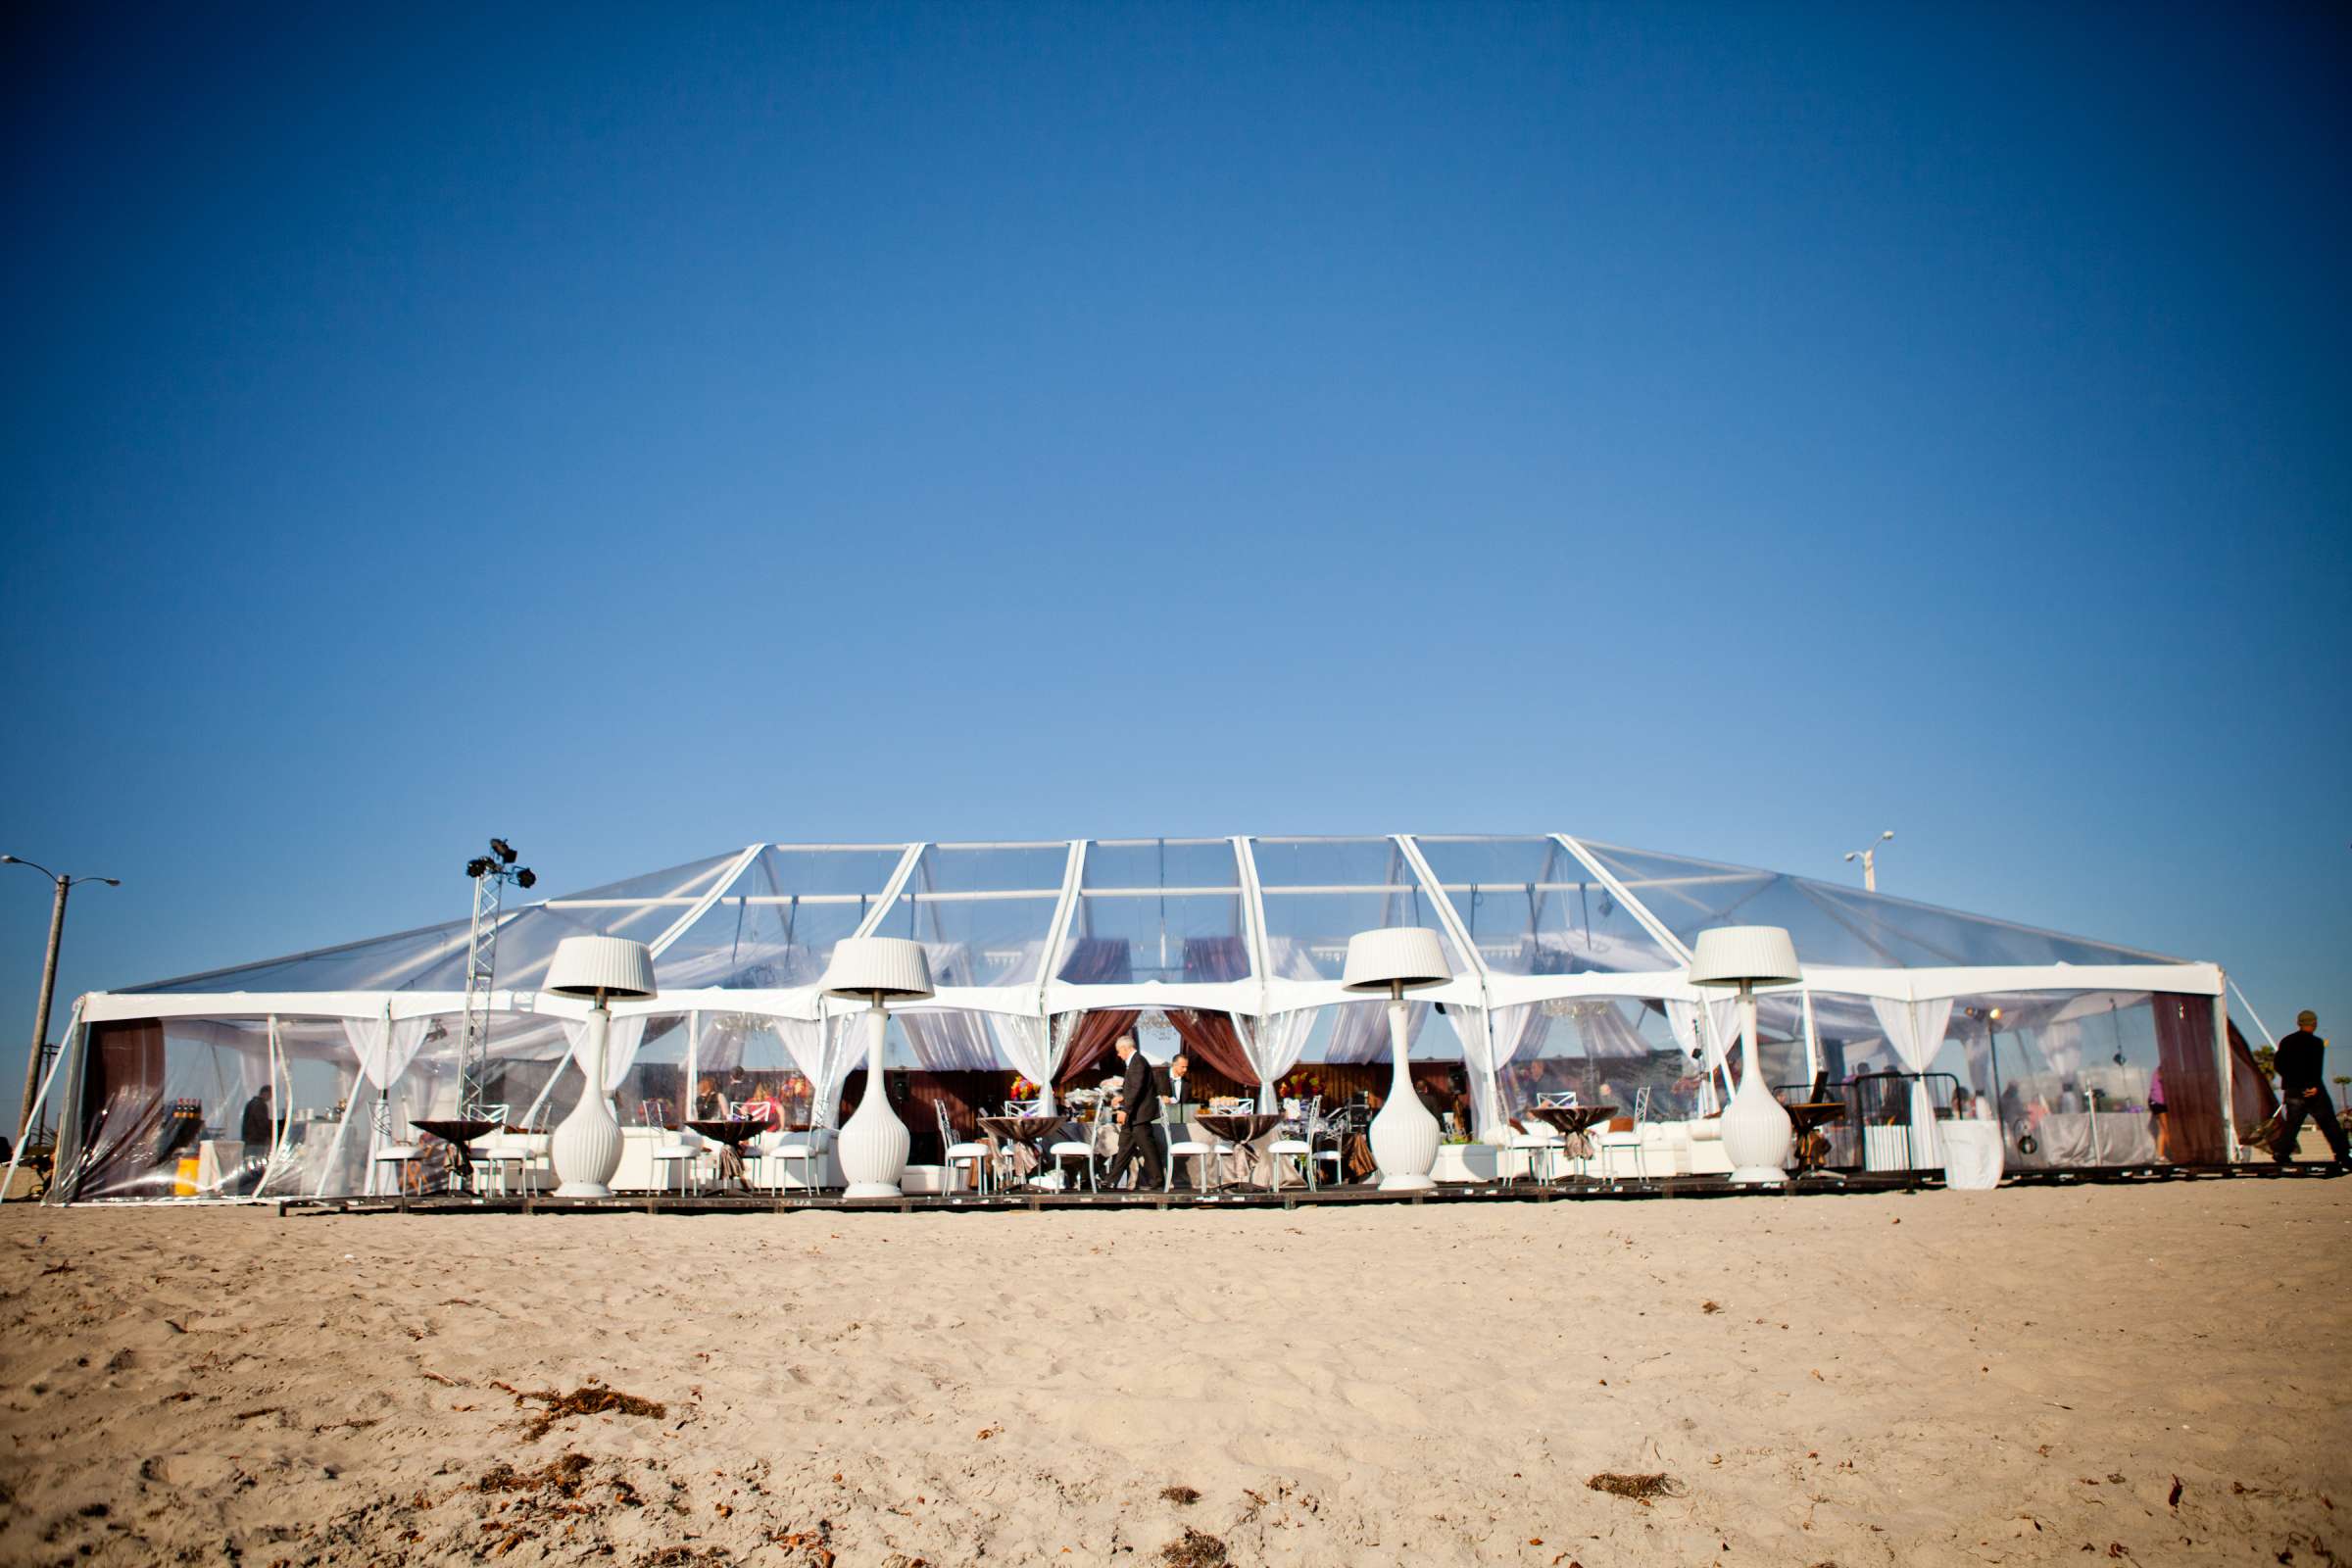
<point>1972,1155</point>
<point>2111,1137</point>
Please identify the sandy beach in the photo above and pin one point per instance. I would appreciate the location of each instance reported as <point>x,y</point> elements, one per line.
<point>2150,1374</point>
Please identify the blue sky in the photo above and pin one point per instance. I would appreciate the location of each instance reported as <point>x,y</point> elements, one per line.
<point>1732,431</point>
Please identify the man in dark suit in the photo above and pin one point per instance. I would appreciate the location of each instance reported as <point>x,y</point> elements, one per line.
<point>1138,1119</point>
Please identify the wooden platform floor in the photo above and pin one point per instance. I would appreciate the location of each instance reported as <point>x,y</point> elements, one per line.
<point>1288,1198</point>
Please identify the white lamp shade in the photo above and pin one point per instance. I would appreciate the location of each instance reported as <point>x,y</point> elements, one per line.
<point>1760,954</point>
<point>865,968</point>
<point>1404,955</point>
<point>618,967</point>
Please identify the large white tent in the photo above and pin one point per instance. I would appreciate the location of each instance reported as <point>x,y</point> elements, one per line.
<point>1559,947</point>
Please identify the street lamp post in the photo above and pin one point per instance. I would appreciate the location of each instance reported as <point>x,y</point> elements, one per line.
<point>40,1017</point>
<point>1870,860</point>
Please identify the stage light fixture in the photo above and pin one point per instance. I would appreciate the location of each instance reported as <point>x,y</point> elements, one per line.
<point>502,849</point>
<point>524,879</point>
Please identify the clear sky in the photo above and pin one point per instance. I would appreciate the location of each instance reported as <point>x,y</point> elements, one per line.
<point>639,432</point>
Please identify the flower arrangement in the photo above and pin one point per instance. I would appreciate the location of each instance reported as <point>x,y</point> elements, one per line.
<point>1023,1089</point>
<point>1298,1084</point>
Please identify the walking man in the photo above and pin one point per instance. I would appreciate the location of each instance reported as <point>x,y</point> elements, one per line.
<point>1138,1116</point>
<point>2299,1067</point>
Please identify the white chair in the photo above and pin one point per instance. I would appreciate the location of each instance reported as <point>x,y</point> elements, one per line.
<point>1072,1148</point>
<point>401,1157</point>
<point>1191,1148</point>
<point>1538,1148</point>
<point>1609,1142</point>
<point>1299,1147</point>
<point>808,1148</point>
<point>955,1154</point>
<point>682,1153</point>
<point>1329,1136</point>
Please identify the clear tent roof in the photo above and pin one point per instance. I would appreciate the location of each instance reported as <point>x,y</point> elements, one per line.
<point>1838,926</point>
<point>1177,910</point>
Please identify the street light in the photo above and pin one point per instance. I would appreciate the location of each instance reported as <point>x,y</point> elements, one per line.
<point>40,1017</point>
<point>1870,861</point>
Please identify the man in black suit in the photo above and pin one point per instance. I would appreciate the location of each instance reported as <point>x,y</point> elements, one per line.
<point>1138,1119</point>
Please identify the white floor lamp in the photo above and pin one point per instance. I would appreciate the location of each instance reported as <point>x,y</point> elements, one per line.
<point>875,970</point>
<point>586,1149</point>
<point>1757,1136</point>
<point>1404,1135</point>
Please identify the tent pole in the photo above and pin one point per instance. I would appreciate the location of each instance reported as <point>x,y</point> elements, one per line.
<point>32,1110</point>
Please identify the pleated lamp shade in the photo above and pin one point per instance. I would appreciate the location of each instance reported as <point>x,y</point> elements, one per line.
<point>1760,954</point>
<point>615,966</point>
<point>867,967</point>
<point>1409,956</point>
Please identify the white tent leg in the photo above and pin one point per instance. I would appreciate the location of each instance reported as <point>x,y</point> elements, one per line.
<point>15,1155</point>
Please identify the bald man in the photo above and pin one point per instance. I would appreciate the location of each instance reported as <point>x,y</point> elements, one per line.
<point>2300,1065</point>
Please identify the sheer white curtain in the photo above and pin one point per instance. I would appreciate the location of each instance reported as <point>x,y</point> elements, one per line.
<point>1035,1045</point>
<point>621,1047</point>
<point>953,1041</point>
<point>822,1050</point>
<point>1915,1032</point>
<point>1274,1045</point>
<point>1683,1017</point>
<point>1490,1040</point>
<point>1361,1032</point>
<point>386,1048</point>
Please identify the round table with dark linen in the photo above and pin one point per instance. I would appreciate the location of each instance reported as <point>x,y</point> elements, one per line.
<point>1030,1130</point>
<point>732,1134</point>
<point>457,1133</point>
<point>1574,1124</point>
<point>1807,1117</point>
<point>1240,1128</point>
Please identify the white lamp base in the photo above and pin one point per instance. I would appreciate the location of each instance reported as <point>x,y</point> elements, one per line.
<point>873,1144</point>
<point>1404,1135</point>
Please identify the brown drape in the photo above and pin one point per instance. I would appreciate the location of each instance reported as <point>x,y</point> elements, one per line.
<point>127,1135</point>
<point>1091,1039</point>
<point>2192,1092</point>
<point>2251,1097</point>
<point>1210,1039</point>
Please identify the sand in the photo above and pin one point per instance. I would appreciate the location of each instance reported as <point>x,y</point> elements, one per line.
<point>2022,1376</point>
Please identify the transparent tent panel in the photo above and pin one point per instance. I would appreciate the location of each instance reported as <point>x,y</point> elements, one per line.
<point>1532,908</point>
<point>1317,893</point>
<point>433,959</point>
<point>983,910</point>
<point>378,963</point>
<point>1168,909</point>
<point>1834,925</point>
<point>776,924</point>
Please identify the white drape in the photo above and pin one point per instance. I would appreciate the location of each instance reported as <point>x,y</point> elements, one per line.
<point>386,1048</point>
<point>822,1050</point>
<point>1361,1032</point>
<point>1035,1045</point>
<point>621,1047</point>
<point>1682,1018</point>
<point>1915,1033</point>
<point>1274,1045</point>
<point>1490,1040</point>
<point>948,1042</point>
